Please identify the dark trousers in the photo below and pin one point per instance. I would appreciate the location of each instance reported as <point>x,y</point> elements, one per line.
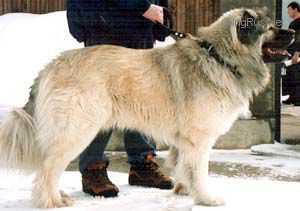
<point>291,83</point>
<point>137,146</point>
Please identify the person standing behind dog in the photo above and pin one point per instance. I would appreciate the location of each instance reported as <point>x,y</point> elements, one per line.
<point>291,82</point>
<point>294,13</point>
<point>128,23</point>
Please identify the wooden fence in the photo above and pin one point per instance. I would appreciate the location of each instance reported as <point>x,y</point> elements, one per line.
<point>31,6</point>
<point>188,14</point>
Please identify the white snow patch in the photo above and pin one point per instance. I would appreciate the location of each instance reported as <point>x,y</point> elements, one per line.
<point>4,110</point>
<point>279,165</point>
<point>284,150</point>
<point>15,193</point>
<point>28,42</point>
<point>240,195</point>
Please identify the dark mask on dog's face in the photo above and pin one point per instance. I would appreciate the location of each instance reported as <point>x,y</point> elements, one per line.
<point>249,30</point>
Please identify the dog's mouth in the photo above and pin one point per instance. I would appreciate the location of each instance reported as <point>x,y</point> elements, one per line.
<point>275,49</point>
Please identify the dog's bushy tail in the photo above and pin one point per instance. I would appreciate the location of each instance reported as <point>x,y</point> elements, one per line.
<point>18,145</point>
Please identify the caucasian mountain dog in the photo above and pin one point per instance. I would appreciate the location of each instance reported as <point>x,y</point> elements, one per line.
<point>185,95</point>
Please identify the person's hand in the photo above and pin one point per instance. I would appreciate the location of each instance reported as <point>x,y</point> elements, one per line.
<point>296,58</point>
<point>155,13</point>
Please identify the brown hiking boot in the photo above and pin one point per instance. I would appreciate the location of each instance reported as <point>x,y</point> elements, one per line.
<point>149,175</point>
<point>96,182</point>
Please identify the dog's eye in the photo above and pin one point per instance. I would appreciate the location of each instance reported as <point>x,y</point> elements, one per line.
<point>249,29</point>
<point>248,23</point>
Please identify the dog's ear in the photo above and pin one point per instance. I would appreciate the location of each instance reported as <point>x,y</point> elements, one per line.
<point>248,29</point>
<point>262,12</point>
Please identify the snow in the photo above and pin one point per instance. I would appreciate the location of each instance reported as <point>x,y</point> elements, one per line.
<point>276,164</point>
<point>3,111</point>
<point>28,42</point>
<point>290,110</point>
<point>277,149</point>
<point>240,194</point>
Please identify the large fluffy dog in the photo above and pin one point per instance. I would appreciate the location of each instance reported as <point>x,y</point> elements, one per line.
<point>186,95</point>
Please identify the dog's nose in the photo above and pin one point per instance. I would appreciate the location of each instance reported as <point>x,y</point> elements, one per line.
<point>283,32</point>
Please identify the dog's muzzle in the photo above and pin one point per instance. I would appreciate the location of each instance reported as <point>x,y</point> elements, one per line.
<point>275,50</point>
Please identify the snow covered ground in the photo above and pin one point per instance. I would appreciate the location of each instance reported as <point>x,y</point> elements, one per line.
<point>281,163</point>
<point>240,195</point>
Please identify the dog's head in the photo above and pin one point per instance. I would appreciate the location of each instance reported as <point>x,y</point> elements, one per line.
<point>256,26</point>
<point>253,28</point>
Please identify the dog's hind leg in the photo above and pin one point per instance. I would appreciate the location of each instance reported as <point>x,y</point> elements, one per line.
<point>45,192</point>
<point>64,149</point>
<point>63,138</point>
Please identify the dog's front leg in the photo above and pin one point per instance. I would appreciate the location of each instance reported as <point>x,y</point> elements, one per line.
<point>191,171</point>
<point>199,183</point>
<point>182,171</point>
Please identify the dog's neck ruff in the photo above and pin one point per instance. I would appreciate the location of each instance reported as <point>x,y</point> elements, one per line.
<point>213,53</point>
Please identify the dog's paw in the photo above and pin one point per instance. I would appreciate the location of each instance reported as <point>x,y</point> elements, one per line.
<point>67,200</point>
<point>209,200</point>
<point>54,201</point>
<point>180,189</point>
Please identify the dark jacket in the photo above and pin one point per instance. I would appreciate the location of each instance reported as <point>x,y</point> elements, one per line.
<point>295,25</point>
<point>118,22</point>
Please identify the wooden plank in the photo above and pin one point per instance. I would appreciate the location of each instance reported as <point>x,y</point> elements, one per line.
<point>27,7</point>
<point>187,15</point>
<point>49,5</point>
<point>182,15</point>
<point>59,5</point>
<point>34,4</point>
<point>53,5</point>
<point>176,14</point>
<point>40,7</point>
<point>192,16</point>
<point>217,9</point>
<point>173,8</point>
<point>197,15</point>
<point>14,6</point>
<point>23,6</point>
<point>8,6</point>
<point>206,13</point>
<point>46,6</point>
<point>1,7</point>
<point>63,4</point>
<point>5,6</point>
<point>201,14</point>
